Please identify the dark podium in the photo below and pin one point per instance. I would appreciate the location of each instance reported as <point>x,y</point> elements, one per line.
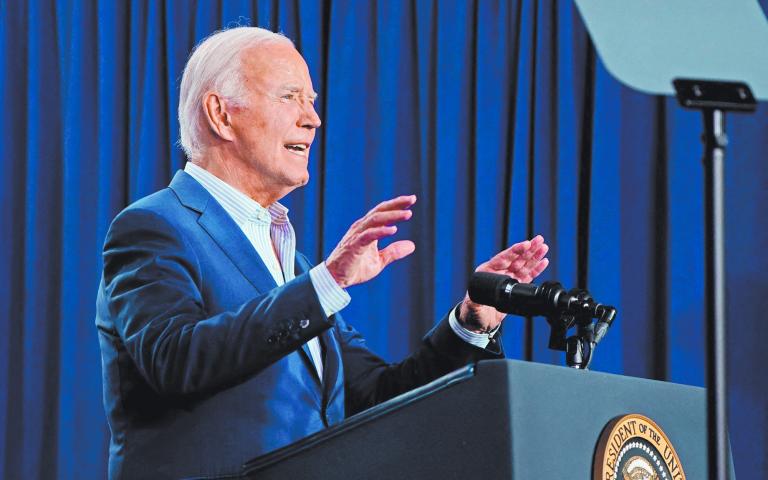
<point>498,419</point>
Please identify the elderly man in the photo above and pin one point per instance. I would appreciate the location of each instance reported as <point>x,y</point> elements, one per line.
<point>219,341</point>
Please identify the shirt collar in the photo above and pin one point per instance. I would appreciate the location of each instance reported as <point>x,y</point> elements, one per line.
<point>237,204</point>
<point>279,213</point>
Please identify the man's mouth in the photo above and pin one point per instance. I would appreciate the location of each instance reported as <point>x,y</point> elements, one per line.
<point>297,148</point>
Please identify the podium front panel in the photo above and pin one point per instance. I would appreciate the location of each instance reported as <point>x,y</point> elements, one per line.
<point>497,419</point>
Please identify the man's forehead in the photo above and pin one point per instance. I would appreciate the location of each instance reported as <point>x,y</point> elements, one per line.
<point>278,64</point>
<point>273,55</point>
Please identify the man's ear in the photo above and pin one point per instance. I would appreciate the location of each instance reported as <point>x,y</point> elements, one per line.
<point>218,117</point>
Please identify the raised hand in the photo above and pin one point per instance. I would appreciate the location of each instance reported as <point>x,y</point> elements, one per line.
<point>357,258</point>
<point>522,261</point>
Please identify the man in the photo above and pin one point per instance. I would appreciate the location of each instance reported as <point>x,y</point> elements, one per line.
<point>219,341</point>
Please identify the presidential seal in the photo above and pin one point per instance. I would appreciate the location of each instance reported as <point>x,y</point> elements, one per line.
<point>633,447</point>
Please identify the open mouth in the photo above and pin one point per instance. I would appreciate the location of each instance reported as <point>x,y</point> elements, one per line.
<point>297,148</point>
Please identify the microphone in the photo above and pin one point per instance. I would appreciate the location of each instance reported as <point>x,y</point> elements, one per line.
<point>549,299</point>
<point>508,295</point>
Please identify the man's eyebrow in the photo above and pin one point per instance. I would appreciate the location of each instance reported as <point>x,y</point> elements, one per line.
<point>296,89</point>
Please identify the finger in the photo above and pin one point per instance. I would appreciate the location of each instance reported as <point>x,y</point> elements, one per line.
<point>399,203</point>
<point>540,267</point>
<point>530,270</point>
<point>520,248</point>
<point>500,263</point>
<point>528,246</point>
<point>541,252</point>
<point>507,263</point>
<point>527,267</point>
<point>486,267</point>
<point>517,267</point>
<point>536,245</point>
<point>534,258</point>
<point>373,234</point>
<point>386,218</point>
<point>505,257</point>
<point>527,249</point>
<point>396,251</point>
<point>510,261</point>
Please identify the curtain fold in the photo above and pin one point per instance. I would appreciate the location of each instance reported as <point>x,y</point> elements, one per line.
<point>495,113</point>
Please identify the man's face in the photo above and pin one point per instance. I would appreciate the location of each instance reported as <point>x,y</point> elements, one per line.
<point>276,127</point>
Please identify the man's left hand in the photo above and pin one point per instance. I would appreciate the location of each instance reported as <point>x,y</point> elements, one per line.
<point>522,261</point>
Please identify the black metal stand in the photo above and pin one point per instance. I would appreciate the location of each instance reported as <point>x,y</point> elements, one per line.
<point>715,140</point>
<point>576,308</point>
<point>714,99</point>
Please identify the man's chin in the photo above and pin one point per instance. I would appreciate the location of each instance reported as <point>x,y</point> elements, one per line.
<point>301,176</point>
<point>300,180</point>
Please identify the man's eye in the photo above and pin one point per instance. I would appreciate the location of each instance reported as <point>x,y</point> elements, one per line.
<point>289,96</point>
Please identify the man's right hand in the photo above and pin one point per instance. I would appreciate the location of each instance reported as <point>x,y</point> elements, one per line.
<point>357,258</point>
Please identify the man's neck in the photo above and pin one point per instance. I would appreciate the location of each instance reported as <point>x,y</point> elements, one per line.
<point>239,176</point>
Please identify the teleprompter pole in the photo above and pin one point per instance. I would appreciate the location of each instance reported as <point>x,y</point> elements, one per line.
<point>715,141</point>
<point>714,98</point>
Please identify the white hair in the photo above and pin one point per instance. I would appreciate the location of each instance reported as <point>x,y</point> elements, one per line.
<point>214,65</point>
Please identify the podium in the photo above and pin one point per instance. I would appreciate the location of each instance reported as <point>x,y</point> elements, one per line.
<point>498,419</point>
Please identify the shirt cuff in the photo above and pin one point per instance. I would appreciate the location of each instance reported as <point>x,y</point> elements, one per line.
<point>480,340</point>
<point>332,297</point>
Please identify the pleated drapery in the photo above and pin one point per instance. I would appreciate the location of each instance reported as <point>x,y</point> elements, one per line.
<point>497,114</point>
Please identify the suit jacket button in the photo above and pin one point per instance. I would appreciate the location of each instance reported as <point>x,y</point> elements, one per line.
<point>304,323</point>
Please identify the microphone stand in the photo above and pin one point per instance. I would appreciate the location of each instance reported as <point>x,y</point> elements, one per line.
<point>579,311</point>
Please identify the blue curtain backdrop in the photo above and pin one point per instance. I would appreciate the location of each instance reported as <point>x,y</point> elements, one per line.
<point>497,114</point>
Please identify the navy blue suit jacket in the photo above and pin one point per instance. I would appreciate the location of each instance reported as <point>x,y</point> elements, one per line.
<point>203,359</point>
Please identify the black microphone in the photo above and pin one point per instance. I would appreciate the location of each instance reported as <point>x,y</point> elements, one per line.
<point>510,296</point>
<point>549,299</point>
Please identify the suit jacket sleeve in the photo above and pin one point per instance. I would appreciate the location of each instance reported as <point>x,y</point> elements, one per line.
<point>369,380</point>
<point>152,294</point>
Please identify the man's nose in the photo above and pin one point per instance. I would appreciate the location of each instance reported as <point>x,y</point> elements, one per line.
<point>309,118</point>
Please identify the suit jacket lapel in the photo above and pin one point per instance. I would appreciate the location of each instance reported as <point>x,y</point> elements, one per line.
<point>224,231</point>
<point>228,235</point>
